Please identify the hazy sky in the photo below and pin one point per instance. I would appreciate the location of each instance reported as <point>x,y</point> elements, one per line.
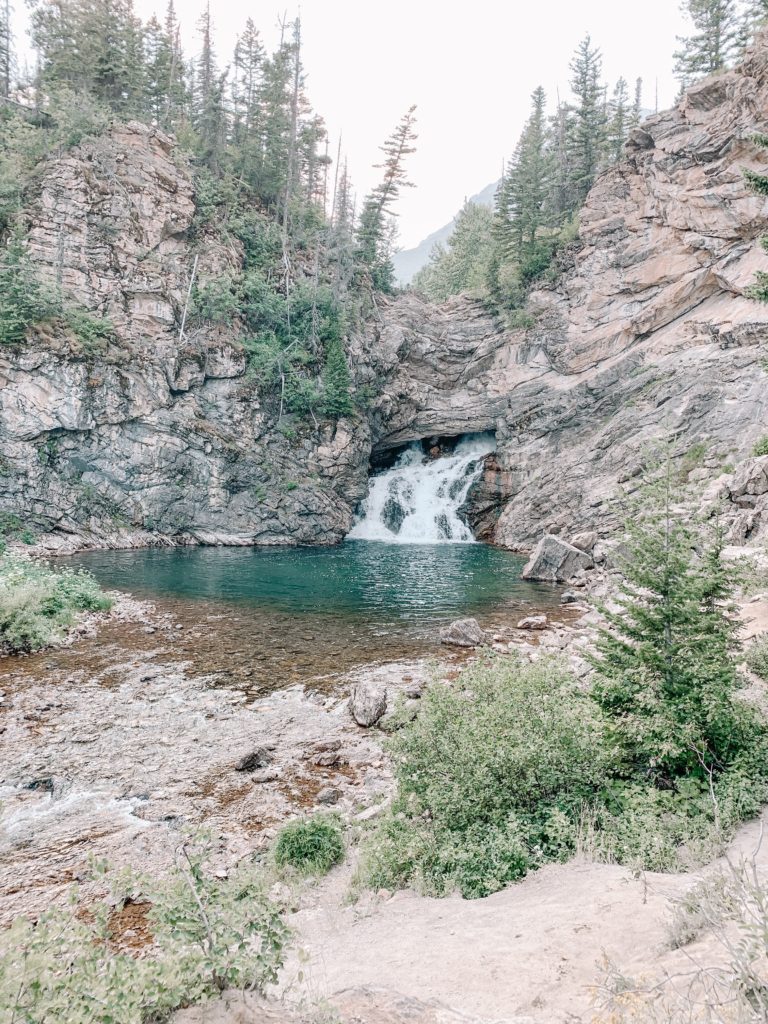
<point>468,65</point>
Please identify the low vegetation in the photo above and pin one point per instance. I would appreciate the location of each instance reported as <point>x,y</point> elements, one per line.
<point>757,657</point>
<point>723,983</point>
<point>38,604</point>
<point>517,765</point>
<point>202,933</point>
<point>311,847</point>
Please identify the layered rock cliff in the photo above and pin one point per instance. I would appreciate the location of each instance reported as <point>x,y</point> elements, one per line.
<point>647,333</point>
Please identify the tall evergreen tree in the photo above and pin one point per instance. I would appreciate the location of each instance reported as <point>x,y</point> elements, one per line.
<point>667,674</point>
<point>208,98</point>
<point>528,182</point>
<point>337,400</point>
<point>6,48</point>
<point>713,42</point>
<point>374,234</point>
<point>620,121</point>
<point>461,265</point>
<point>588,130</point>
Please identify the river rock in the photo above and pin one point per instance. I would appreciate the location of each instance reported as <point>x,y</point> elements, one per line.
<point>585,541</point>
<point>533,622</point>
<point>368,703</point>
<point>258,758</point>
<point>556,561</point>
<point>569,597</point>
<point>328,795</point>
<point>463,633</point>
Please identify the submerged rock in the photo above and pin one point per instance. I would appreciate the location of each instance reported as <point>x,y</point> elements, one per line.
<point>555,561</point>
<point>463,633</point>
<point>368,703</point>
<point>533,622</point>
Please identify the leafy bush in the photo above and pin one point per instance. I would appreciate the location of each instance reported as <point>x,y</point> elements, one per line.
<point>204,934</point>
<point>38,603</point>
<point>492,779</point>
<point>761,448</point>
<point>757,657</point>
<point>312,847</point>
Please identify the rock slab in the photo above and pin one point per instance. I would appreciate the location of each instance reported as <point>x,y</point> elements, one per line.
<point>556,561</point>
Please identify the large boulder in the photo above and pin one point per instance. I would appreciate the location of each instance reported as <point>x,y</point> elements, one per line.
<point>368,703</point>
<point>750,482</point>
<point>463,633</point>
<point>556,561</point>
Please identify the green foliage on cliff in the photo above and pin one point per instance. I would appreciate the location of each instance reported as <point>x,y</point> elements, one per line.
<point>261,167</point>
<point>23,300</point>
<point>38,604</point>
<point>202,934</point>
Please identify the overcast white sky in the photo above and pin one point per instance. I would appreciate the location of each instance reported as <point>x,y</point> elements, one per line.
<point>469,65</point>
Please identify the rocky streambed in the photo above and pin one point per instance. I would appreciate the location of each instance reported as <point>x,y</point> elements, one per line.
<point>153,720</point>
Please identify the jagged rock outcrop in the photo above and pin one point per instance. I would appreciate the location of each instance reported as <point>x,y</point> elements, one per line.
<point>647,333</point>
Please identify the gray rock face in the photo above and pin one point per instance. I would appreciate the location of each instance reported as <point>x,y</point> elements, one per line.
<point>368,703</point>
<point>750,482</point>
<point>463,633</point>
<point>555,561</point>
<point>647,333</point>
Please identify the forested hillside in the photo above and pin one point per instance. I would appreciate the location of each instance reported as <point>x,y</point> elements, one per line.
<point>263,174</point>
<point>558,157</point>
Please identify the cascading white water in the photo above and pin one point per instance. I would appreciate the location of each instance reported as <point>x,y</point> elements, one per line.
<point>417,500</point>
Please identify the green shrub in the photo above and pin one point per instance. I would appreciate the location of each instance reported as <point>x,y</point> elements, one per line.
<point>24,302</point>
<point>217,300</point>
<point>93,332</point>
<point>492,779</point>
<point>204,934</point>
<point>312,847</point>
<point>38,604</point>
<point>761,448</point>
<point>757,657</point>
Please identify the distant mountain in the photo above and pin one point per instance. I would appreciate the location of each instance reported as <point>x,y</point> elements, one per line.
<point>408,262</point>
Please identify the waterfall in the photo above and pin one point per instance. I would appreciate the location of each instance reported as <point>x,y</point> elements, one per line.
<point>417,500</point>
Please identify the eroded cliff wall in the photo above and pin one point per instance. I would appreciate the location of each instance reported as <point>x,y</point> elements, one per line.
<point>647,333</point>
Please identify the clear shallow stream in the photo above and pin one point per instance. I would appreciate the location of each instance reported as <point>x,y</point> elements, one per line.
<point>269,617</point>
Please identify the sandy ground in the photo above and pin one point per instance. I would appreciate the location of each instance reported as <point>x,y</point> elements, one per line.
<point>535,953</point>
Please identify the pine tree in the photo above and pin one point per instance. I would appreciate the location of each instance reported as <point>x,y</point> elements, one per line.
<point>620,121</point>
<point>337,400</point>
<point>713,42</point>
<point>23,300</point>
<point>753,18</point>
<point>666,667</point>
<point>528,183</point>
<point>587,136</point>
<point>462,264</point>
<point>374,234</point>
<point>248,64</point>
<point>208,100</point>
<point>637,105</point>
<point>6,48</point>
